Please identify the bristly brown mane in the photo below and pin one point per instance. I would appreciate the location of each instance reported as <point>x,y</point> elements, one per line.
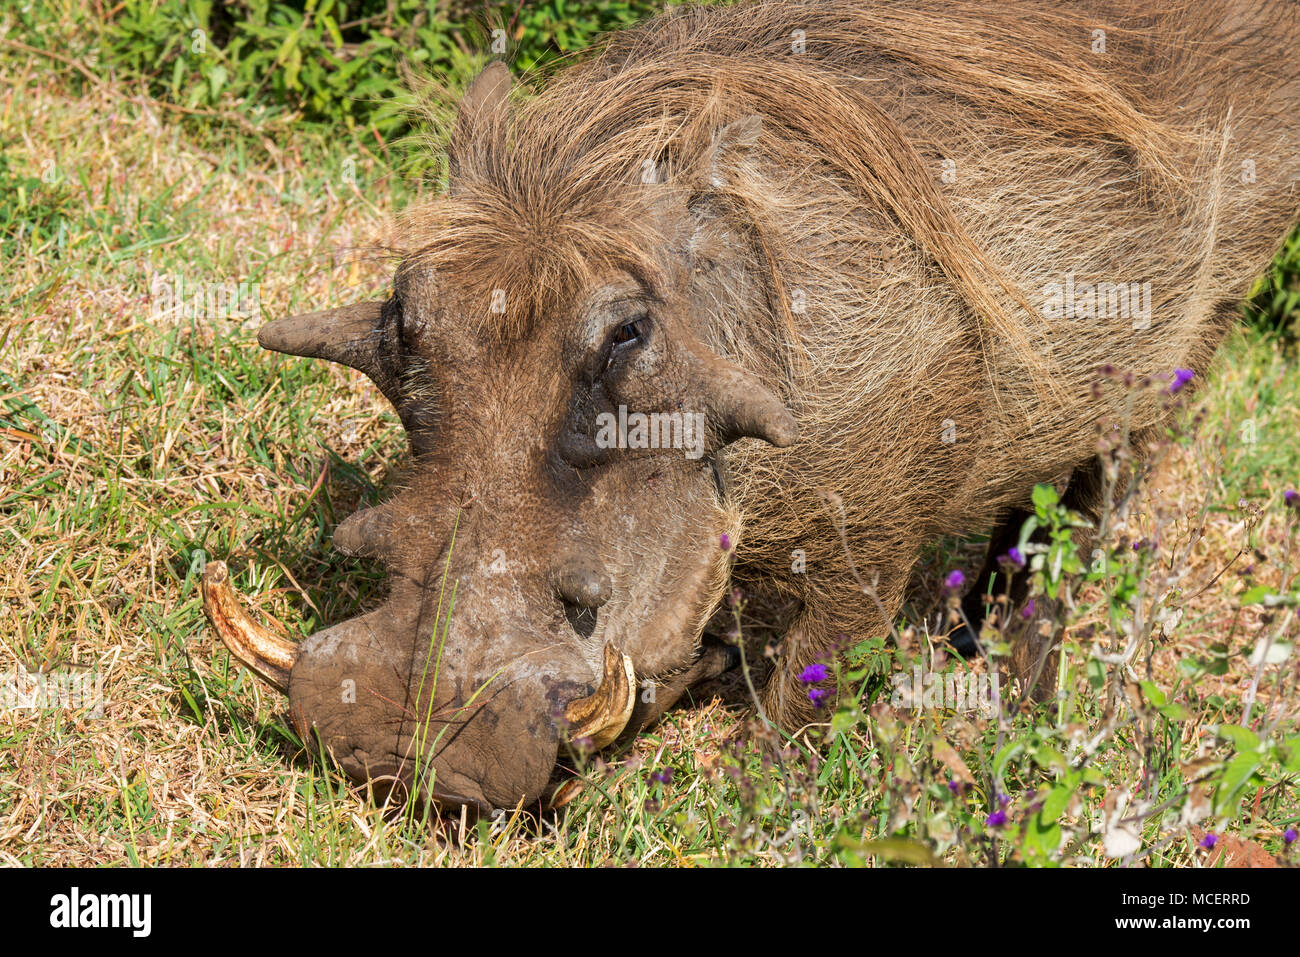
<point>551,193</point>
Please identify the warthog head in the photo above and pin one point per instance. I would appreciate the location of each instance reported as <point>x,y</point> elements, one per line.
<point>562,535</point>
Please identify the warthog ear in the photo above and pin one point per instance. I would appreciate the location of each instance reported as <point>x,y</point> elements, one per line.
<point>486,93</point>
<point>731,143</point>
<point>485,98</point>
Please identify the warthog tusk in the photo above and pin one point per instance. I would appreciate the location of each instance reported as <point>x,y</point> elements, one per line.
<point>564,793</point>
<point>268,655</point>
<point>602,716</point>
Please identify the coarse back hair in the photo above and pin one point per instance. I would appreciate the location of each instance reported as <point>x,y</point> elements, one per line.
<point>547,192</point>
<point>919,173</point>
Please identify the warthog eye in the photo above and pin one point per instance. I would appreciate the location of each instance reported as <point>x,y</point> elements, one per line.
<point>630,331</point>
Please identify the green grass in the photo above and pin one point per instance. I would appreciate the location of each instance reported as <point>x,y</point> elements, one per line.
<point>132,445</point>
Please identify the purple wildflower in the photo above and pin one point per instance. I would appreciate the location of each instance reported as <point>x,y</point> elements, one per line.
<point>956,578</point>
<point>813,674</point>
<point>1291,497</point>
<point>1015,556</point>
<point>1209,840</point>
<point>818,696</point>
<point>1181,378</point>
<point>1028,610</point>
<point>664,776</point>
<point>954,786</point>
<point>996,819</point>
<point>725,542</point>
<point>1289,836</point>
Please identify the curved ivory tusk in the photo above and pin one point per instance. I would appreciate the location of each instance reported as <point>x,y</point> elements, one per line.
<point>602,716</point>
<point>268,655</point>
<point>563,794</point>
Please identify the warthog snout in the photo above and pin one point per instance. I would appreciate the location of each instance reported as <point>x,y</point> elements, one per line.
<point>425,713</point>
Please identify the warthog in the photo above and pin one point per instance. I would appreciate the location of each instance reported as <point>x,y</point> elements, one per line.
<point>859,245</point>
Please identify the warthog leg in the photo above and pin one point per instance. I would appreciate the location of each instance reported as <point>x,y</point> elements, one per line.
<point>974,607</point>
<point>1034,654</point>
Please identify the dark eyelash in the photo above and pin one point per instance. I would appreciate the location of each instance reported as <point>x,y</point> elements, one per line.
<point>629,331</point>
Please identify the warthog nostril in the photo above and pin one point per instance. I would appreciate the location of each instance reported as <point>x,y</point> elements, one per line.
<point>583,588</point>
<point>581,584</point>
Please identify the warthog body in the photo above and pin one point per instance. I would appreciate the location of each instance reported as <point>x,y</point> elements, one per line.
<point>876,249</point>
